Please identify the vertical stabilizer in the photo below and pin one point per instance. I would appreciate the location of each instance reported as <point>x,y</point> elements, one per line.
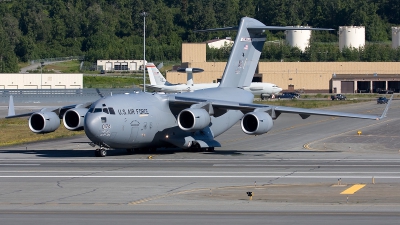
<point>11,110</point>
<point>156,78</point>
<point>246,51</point>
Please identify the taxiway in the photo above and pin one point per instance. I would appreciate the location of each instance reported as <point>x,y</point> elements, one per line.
<point>296,174</point>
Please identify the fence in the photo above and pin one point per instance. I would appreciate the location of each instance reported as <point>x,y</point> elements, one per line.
<point>81,58</point>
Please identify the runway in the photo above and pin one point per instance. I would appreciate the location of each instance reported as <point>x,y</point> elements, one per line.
<point>296,174</point>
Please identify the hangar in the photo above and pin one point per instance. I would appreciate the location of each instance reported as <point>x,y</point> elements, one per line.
<point>311,77</point>
<point>41,81</point>
<point>368,83</point>
<point>120,65</point>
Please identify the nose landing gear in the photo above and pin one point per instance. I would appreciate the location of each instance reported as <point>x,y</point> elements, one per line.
<point>100,152</point>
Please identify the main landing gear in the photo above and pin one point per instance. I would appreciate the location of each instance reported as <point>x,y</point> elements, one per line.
<point>196,147</point>
<point>209,149</point>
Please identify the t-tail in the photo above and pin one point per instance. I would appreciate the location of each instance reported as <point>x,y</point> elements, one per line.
<point>156,78</point>
<point>246,51</point>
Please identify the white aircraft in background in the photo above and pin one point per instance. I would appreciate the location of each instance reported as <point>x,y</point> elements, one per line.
<point>160,84</point>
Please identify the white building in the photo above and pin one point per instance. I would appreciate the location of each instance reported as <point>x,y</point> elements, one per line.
<point>219,43</point>
<point>351,37</point>
<point>41,81</point>
<point>298,38</point>
<point>395,37</point>
<point>120,65</point>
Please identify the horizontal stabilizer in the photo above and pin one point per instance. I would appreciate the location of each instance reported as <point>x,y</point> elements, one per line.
<point>263,28</point>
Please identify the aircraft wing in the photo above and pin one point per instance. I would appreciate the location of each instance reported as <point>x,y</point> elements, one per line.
<point>273,110</point>
<point>59,111</point>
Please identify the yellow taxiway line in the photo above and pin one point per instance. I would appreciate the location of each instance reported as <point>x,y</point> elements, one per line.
<point>353,189</point>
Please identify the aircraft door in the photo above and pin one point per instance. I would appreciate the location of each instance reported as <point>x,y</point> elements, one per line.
<point>134,132</point>
<point>131,131</point>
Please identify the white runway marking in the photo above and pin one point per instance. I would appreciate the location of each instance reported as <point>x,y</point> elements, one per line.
<point>216,176</point>
<point>14,164</point>
<point>208,172</point>
<point>309,165</point>
<point>202,160</point>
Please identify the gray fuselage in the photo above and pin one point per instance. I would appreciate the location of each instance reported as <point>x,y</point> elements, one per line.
<point>147,120</point>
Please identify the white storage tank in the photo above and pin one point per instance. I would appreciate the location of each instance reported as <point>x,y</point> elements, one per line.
<point>395,37</point>
<point>351,36</point>
<point>298,38</point>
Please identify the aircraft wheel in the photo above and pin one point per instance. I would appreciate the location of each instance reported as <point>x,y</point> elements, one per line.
<point>97,153</point>
<point>102,153</point>
<point>195,147</point>
<point>210,149</point>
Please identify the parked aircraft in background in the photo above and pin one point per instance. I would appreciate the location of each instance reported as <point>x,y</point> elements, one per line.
<point>158,83</point>
<point>186,120</point>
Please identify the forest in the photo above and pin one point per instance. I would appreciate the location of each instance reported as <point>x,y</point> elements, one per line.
<point>113,29</point>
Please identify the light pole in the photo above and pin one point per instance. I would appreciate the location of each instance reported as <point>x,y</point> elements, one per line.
<point>144,14</point>
<point>41,75</point>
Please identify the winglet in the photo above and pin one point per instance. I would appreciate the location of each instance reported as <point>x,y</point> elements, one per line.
<point>387,108</point>
<point>11,110</point>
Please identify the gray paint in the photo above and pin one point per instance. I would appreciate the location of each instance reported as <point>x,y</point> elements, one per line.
<point>145,120</point>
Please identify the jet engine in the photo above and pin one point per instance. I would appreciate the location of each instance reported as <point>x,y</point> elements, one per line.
<point>193,119</point>
<point>256,123</point>
<point>74,118</point>
<point>44,122</point>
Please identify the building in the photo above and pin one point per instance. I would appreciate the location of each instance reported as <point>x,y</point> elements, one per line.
<point>41,81</point>
<point>311,77</point>
<point>219,43</point>
<point>120,65</point>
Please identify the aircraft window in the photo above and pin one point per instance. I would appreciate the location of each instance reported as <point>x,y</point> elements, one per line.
<point>111,110</point>
<point>96,110</point>
<point>90,110</point>
<point>105,110</point>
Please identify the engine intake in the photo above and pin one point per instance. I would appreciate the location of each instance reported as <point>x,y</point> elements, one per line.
<point>255,123</point>
<point>74,118</point>
<point>44,122</point>
<point>193,119</point>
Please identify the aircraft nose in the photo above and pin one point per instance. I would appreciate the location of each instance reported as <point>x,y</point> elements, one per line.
<point>92,125</point>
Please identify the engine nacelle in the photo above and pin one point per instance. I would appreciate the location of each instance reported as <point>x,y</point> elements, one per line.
<point>44,122</point>
<point>256,123</point>
<point>193,119</point>
<point>74,118</point>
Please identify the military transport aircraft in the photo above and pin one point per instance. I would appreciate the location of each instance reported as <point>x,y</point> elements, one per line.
<point>140,120</point>
<point>160,84</point>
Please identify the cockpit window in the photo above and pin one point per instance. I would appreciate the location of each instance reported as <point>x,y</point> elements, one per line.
<point>105,110</point>
<point>111,110</point>
<point>90,110</point>
<point>96,110</point>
